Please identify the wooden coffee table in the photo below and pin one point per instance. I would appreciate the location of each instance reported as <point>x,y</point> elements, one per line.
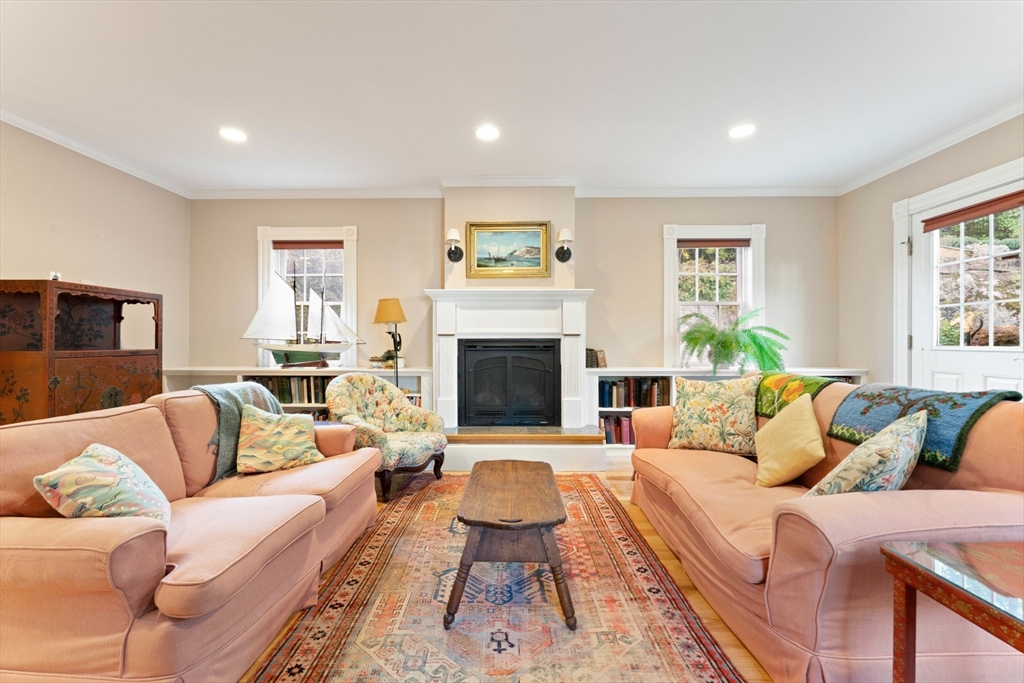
<point>511,508</point>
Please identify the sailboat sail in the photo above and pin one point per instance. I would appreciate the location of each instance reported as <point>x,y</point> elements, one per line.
<point>275,318</point>
<point>333,327</point>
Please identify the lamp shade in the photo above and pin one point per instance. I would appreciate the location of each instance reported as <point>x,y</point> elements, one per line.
<point>389,311</point>
<point>453,236</point>
<point>564,235</point>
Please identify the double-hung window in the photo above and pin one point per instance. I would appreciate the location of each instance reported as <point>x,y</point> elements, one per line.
<point>716,271</point>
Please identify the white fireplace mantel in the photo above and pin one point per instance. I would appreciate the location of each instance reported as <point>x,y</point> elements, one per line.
<point>513,313</point>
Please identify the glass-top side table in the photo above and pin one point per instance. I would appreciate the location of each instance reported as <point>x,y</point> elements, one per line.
<point>982,582</point>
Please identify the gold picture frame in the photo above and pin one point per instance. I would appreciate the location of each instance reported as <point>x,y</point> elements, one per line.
<point>508,250</point>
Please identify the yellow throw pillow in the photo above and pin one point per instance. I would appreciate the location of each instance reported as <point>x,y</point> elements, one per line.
<point>789,445</point>
<point>269,442</point>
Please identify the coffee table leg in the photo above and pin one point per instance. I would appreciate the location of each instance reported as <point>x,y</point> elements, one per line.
<point>555,560</point>
<point>904,643</point>
<point>465,564</point>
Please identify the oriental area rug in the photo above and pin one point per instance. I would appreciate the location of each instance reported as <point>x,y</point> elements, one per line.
<point>379,614</point>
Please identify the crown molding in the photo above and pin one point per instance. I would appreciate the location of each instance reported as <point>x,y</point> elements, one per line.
<point>508,181</point>
<point>959,135</point>
<point>624,193</point>
<point>408,193</point>
<point>85,150</point>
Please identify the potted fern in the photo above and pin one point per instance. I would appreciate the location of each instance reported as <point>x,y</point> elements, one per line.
<point>756,345</point>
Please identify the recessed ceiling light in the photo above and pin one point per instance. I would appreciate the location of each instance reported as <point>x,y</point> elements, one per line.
<point>742,131</point>
<point>233,134</point>
<point>487,132</point>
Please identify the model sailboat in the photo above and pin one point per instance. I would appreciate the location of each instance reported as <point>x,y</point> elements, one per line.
<point>274,323</point>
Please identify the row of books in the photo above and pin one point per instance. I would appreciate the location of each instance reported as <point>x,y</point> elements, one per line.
<point>596,359</point>
<point>296,389</point>
<point>616,429</point>
<point>634,392</point>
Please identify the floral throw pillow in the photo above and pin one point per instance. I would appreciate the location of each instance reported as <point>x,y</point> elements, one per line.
<point>101,482</point>
<point>882,463</point>
<point>269,442</point>
<point>715,416</point>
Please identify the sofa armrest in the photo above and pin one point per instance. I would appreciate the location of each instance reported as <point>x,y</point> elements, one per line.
<point>367,435</point>
<point>73,581</point>
<point>334,439</point>
<point>826,571</point>
<point>413,418</point>
<point>653,426</point>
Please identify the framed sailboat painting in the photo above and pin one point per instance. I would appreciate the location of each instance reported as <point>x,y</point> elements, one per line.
<point>519,249</point>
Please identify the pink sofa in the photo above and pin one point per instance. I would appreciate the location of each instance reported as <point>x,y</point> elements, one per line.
<point>98,599</point>
<point>800,580</point>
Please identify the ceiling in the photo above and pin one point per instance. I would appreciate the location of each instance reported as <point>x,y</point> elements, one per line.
<point>616,98</point>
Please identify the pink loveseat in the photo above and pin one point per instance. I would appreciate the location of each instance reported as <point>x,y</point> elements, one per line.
<point>800,580</point>
<point>114,599</point>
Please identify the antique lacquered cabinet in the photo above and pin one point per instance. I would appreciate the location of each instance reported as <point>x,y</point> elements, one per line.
<point>61,349</point>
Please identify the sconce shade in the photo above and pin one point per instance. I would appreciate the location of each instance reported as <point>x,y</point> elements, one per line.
<point>389,311</point>
<point>564,236</point>
<point>453,236</point>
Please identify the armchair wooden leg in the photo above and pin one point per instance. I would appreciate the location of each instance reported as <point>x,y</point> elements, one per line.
<point>385,484</point>
<point>438,461</point>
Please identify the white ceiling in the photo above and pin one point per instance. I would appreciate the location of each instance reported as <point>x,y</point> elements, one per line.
<point>621,97</point>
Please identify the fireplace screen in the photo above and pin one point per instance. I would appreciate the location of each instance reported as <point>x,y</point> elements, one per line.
<point>509,382</point>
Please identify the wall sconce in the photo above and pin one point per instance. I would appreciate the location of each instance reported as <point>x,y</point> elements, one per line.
<point>455,252</point>
<point>563,253</point>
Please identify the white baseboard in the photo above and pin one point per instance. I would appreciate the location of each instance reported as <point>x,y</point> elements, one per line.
<point>459,457</point>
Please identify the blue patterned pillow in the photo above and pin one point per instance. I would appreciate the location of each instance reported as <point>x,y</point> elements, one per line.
<point>882,463</point>
<point>101,482</point>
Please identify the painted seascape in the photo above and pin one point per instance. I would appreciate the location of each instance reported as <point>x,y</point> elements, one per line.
<point>508,249</point>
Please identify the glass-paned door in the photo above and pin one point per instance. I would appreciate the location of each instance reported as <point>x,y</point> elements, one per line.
<point>966,312</point>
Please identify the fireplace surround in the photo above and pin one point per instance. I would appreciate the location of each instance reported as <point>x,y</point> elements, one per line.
<point>510,382</point>
<point>510,313</point>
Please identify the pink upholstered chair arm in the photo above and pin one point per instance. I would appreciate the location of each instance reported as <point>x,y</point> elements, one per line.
<point>826,572</point>
<point>653,426</point>
<point>75,587</point>
<point>335,439</point>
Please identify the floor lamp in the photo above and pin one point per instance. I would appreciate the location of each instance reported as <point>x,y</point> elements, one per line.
<point>390,313</point>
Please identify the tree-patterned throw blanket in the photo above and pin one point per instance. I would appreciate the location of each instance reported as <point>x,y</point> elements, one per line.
<point>778,390</point>
<point>870,408</point>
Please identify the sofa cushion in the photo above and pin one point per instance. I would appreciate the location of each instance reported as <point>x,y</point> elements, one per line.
<point>192,420</point>
<point>30,448</point>
<point>789,445</point>
<point>103,483</point>
<point>217,545</point>
<point>715,416</point>
<point>268,442</point>
<point>717,494</point>
<point>332,479</point>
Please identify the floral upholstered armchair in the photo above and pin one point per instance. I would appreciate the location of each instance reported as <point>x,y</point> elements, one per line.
<point>409,437</point>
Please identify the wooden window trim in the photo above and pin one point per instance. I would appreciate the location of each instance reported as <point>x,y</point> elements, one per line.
<point>280,245</point>
<point>969,213</point>
<point>711,243</point>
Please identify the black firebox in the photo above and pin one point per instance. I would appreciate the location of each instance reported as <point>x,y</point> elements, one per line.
<point>510,382</point>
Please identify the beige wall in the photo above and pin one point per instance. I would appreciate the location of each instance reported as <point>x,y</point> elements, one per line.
<point>500,204</point>
<point>400,255</point>
<point>865,236</point>
<point>62,211</point>
<point>619,250</point>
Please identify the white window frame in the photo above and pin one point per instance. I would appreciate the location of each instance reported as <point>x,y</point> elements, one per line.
<point>907,212</point>
<point>752,287</point>
<point>265,236</point>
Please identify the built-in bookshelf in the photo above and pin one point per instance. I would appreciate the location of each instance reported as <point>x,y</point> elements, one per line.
<point>614,393</point>
<point>300,390</point>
